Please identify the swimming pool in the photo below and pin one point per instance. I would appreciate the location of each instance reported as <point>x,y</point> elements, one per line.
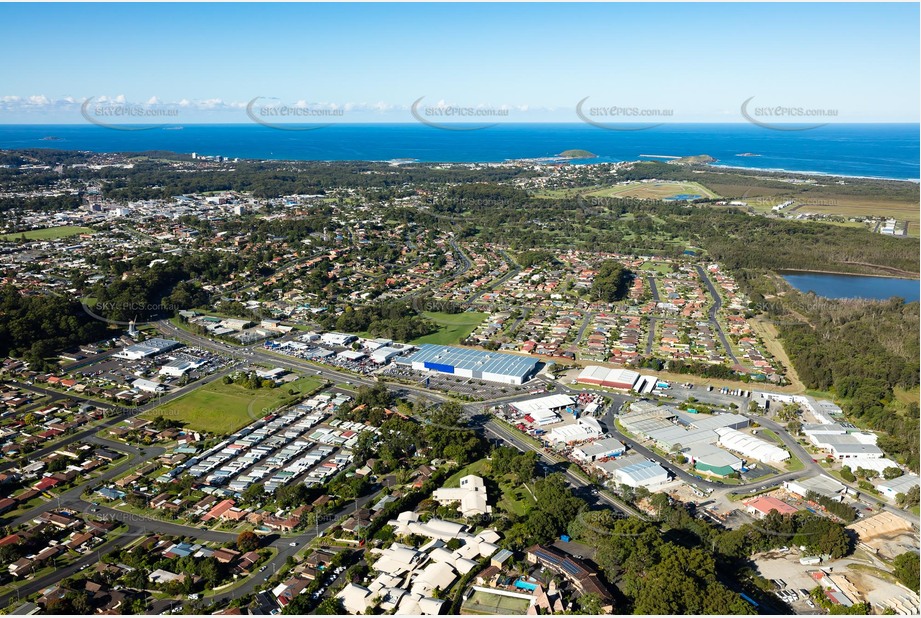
<point>523,585</point>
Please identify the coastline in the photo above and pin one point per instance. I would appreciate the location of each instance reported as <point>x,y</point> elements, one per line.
<point>782,170</point>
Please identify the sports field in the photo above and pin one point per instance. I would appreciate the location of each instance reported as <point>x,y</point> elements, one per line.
<point>656,190</point>
<point>452,327</point>
<point>488,603</point>
<point>224,408</point>
<point>49,233</point>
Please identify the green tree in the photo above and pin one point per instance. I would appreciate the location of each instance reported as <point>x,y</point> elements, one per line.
<point>892,472</point>
<point>906,569</point>
<point>247,541</point>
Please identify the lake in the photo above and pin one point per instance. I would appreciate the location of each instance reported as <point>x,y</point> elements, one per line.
<point>853,286</point>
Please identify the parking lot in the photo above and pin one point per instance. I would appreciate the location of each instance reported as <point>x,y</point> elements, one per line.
<point>477,390</point>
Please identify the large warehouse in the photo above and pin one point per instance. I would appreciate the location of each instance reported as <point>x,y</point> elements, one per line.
<point>612,378</point>
<point>463,362</point>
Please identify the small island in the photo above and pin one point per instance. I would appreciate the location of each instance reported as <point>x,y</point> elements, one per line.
<point>577,154</point>
<point>694,159</point>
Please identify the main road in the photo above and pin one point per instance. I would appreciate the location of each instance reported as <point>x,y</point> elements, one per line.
<point>714,308</point>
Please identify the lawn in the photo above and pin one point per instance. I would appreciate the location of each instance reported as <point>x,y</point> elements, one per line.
<point>452,327</point>
<point>224,408</point>
<point>515,498</point>
<point>657,267</point>
<point>655,190</point>
<point>49,233</point>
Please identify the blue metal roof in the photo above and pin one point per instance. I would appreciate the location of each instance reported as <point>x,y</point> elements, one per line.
<point>474,360</point>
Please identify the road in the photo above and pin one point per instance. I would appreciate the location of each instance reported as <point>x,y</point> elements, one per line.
<point>121,415</point>
<point>513,437</point>
<point>714,308</point>
<point>513,270</point>
<point>589,316</point>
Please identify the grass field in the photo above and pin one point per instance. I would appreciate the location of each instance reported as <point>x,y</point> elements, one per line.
<point>906,396</point>
<point>490,603</point>
<point>655,190</point>
<point>657,267</point>
<point>224,408</point>
<point>49,233</point>
<point>452,327</point>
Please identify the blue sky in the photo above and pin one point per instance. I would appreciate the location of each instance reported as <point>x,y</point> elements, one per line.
<point>686,62</point>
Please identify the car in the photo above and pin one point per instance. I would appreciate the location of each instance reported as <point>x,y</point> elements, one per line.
<point>263,568</point>
<point>293,543</point>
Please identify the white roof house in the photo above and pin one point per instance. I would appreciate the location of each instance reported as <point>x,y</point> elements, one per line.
<point>397,559</point>
<point>471,495</point>
<point>438,575</point>
<point>408,522</point>
<point>419,605</point>
<point>356,599</point>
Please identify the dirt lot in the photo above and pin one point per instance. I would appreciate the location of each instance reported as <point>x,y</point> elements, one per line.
<point>861,570</point>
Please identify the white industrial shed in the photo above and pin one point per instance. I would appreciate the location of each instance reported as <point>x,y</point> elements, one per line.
<point>750,446</point>
<point>900,485</point>
<point>580,431</point>
<point>675,435</point>
<point>713,421</point>
<point>550,402</point>
<point>642,474</point>
<point>613,378</point>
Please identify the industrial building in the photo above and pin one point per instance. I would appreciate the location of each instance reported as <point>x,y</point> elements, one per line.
<point>337,339</point>
<point>713,460</point>
<point>822,485</point>
<point>586,428</point>
<point>896,486</point>
<point>712,421</point>
<point>843,443</point>
<point>553,403</point>
<point>602,449</point>
<point>612,378</point>
<point>751,447</point>
<point>146,349</point>
<point>763,506</point>
<point>634,470</point>
<point>467,363</point>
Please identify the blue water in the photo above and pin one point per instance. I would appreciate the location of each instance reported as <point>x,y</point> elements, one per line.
<point>523,585</point>
<point>878,150</point>
<point>854,286</point>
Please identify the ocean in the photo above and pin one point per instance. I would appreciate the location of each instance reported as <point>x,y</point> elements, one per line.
<point>871,150</point>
